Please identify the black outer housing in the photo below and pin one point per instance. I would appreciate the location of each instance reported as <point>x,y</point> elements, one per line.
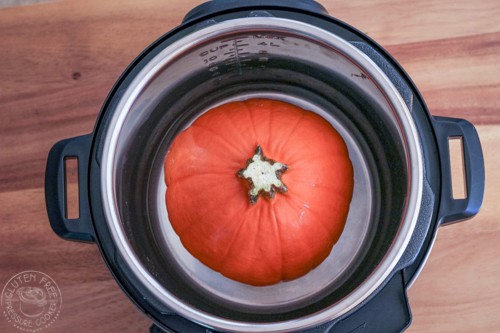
<point>387,309</point>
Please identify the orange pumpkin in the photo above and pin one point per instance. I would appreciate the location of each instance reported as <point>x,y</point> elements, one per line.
<point>259,190</point>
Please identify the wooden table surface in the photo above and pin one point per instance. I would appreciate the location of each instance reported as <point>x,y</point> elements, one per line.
<point>59,59</point>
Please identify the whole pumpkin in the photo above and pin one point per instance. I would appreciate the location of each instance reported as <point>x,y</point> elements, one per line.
<point>259,190</point>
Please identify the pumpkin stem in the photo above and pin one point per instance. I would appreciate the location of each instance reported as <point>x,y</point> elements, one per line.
<point>264,176</point>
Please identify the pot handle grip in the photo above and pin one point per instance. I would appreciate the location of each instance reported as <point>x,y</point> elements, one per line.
<point>455,210</point>
<point>80,228</point>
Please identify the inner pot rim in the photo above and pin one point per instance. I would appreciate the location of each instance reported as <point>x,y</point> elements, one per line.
<point>401,113</point>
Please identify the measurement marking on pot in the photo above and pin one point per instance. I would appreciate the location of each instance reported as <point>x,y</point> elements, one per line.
<point>268,36</point>
<point>211,57</point>
<point>237,54</point>
<point>231,53</point>
<point>240,39</point>
<point>361,76</point>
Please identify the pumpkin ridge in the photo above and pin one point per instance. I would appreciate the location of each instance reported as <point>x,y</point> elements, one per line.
<point>338,192</point>
<point>196,223</point>
<point>182,231</point>
<point>250,263</point>
<point>305,206</point>
<point>251,122</point>
<point>243,139</point>
<point>272,210</point>
<point>231,245</point>
<point>310,254</point>
<point>296,156</point>
<point>218,135</point>
<point>314,158</point>
<point>193,175</point>
<point>334,188</point>
<point>333,236</point>
<point>315,260</point>
<point>232,242</point>
<point>292,130</point>
<point>298,206</point>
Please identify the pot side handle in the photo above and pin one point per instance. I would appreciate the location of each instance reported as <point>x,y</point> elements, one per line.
<point>455,210</point>
<point>77,229</point>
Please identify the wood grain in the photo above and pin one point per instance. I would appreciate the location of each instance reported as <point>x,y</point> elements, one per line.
<point>58,61</point>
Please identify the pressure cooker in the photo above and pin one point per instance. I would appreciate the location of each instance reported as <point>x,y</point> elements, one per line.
<point>295,52</point>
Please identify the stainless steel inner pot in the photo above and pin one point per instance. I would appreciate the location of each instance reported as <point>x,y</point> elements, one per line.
<point>280,59</point>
